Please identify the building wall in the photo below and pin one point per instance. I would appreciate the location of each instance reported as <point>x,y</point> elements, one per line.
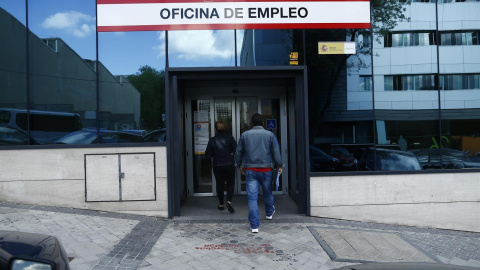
<point>445,200</point>
<point>57,177</point>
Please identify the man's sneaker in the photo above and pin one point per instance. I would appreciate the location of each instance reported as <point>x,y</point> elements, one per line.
<point>255,230</point>
<point>271,216</point>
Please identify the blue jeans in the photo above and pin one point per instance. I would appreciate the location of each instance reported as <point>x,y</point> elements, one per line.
<point>254,179</point>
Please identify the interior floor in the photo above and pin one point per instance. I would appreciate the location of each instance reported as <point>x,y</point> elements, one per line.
<point>206,207</point>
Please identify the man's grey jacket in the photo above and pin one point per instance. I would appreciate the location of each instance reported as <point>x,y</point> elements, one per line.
<point>258,148</point>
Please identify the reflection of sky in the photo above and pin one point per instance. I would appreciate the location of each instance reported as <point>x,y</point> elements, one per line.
<point>28,265</point>
<point>124,53</point>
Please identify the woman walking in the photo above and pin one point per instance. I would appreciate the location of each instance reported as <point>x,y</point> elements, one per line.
<point>221,148</point>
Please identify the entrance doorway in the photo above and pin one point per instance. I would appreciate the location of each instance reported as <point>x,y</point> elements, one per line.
<point>236,112</point>
<point>197,97</point>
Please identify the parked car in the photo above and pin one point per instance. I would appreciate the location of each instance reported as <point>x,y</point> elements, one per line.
<point>322,162</point>
<point>21,250</point>
<point>445,158</point>
<point>89,136</point>
<point>387,160</point>
<point>14,136</point>
<point>158,135</point>
<point>347,160</point>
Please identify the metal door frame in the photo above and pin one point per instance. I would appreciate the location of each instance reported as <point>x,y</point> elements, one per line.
<point>178,80</point>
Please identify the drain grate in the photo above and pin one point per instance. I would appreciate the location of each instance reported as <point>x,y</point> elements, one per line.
<point>353,245</point>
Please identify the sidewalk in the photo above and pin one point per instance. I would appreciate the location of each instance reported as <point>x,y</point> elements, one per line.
<point>100,240</point>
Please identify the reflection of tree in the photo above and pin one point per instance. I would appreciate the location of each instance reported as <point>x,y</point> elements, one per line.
<point>326,72</point>
<point>151,85</point>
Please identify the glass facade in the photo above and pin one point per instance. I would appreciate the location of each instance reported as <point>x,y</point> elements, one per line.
<point>409,99</point>
<point>410,94</point>
<point>62,82</point>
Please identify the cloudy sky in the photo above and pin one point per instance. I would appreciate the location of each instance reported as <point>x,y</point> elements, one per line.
<point>124,53</point>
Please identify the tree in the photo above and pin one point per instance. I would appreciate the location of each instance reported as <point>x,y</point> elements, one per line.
<point>324,71</point>
<point>151,85</point>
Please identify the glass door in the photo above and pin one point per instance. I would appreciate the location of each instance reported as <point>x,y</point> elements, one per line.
<point>245,108</point>
<point>270,109</point>
<point>199,168</point>
<point>272,121</point>
<point>236,113</point>
<point>224,111</point>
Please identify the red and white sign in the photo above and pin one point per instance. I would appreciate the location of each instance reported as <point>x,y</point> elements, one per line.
<point>153,15</point>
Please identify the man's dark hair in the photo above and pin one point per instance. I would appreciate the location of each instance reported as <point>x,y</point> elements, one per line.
<point>257,119</point>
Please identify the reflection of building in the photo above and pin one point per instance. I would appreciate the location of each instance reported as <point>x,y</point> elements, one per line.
<point>405,68</point>
<point>61,81</point>
<point>266,48</point>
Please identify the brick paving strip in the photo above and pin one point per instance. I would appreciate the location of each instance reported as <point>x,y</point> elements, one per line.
<point>133,249</point>
<point>142,233</point>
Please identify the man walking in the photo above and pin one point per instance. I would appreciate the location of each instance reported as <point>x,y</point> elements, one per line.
<point>256,155</point>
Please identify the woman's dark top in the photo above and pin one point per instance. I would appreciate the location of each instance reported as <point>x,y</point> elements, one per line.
<point>221,148</point>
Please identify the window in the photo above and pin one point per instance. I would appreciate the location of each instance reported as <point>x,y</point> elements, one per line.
<point>409,39</point>
<point>52,43</point>
<point>365,83</point>
<point>460,81</point>
<point>410,82</point>
<point>5,117</point>
<point>364,40</point>
<point>460,38</point>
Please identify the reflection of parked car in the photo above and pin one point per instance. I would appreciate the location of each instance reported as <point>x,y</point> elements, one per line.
<point>20,250</point>
<point>387,160</point>
<point>14,136</point>
<point>88,136</point>
<point>322,162</point>
<point>45,126</point>
<point>140,132</point>
<point>158,135</point>
<point>348,161</point>
<point>475,158</point>
<point>450,159</point>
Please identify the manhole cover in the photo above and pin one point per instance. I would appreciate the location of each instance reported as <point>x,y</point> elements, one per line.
<point>367,246</point>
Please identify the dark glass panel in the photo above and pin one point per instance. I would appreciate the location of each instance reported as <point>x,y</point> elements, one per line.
<point>13,72</point>
<point>132,82</point>
<point>339,99</point>
<point>62,72</point>
<point>459,144</point>
<point>267,47</point>
<point>407,118</point>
